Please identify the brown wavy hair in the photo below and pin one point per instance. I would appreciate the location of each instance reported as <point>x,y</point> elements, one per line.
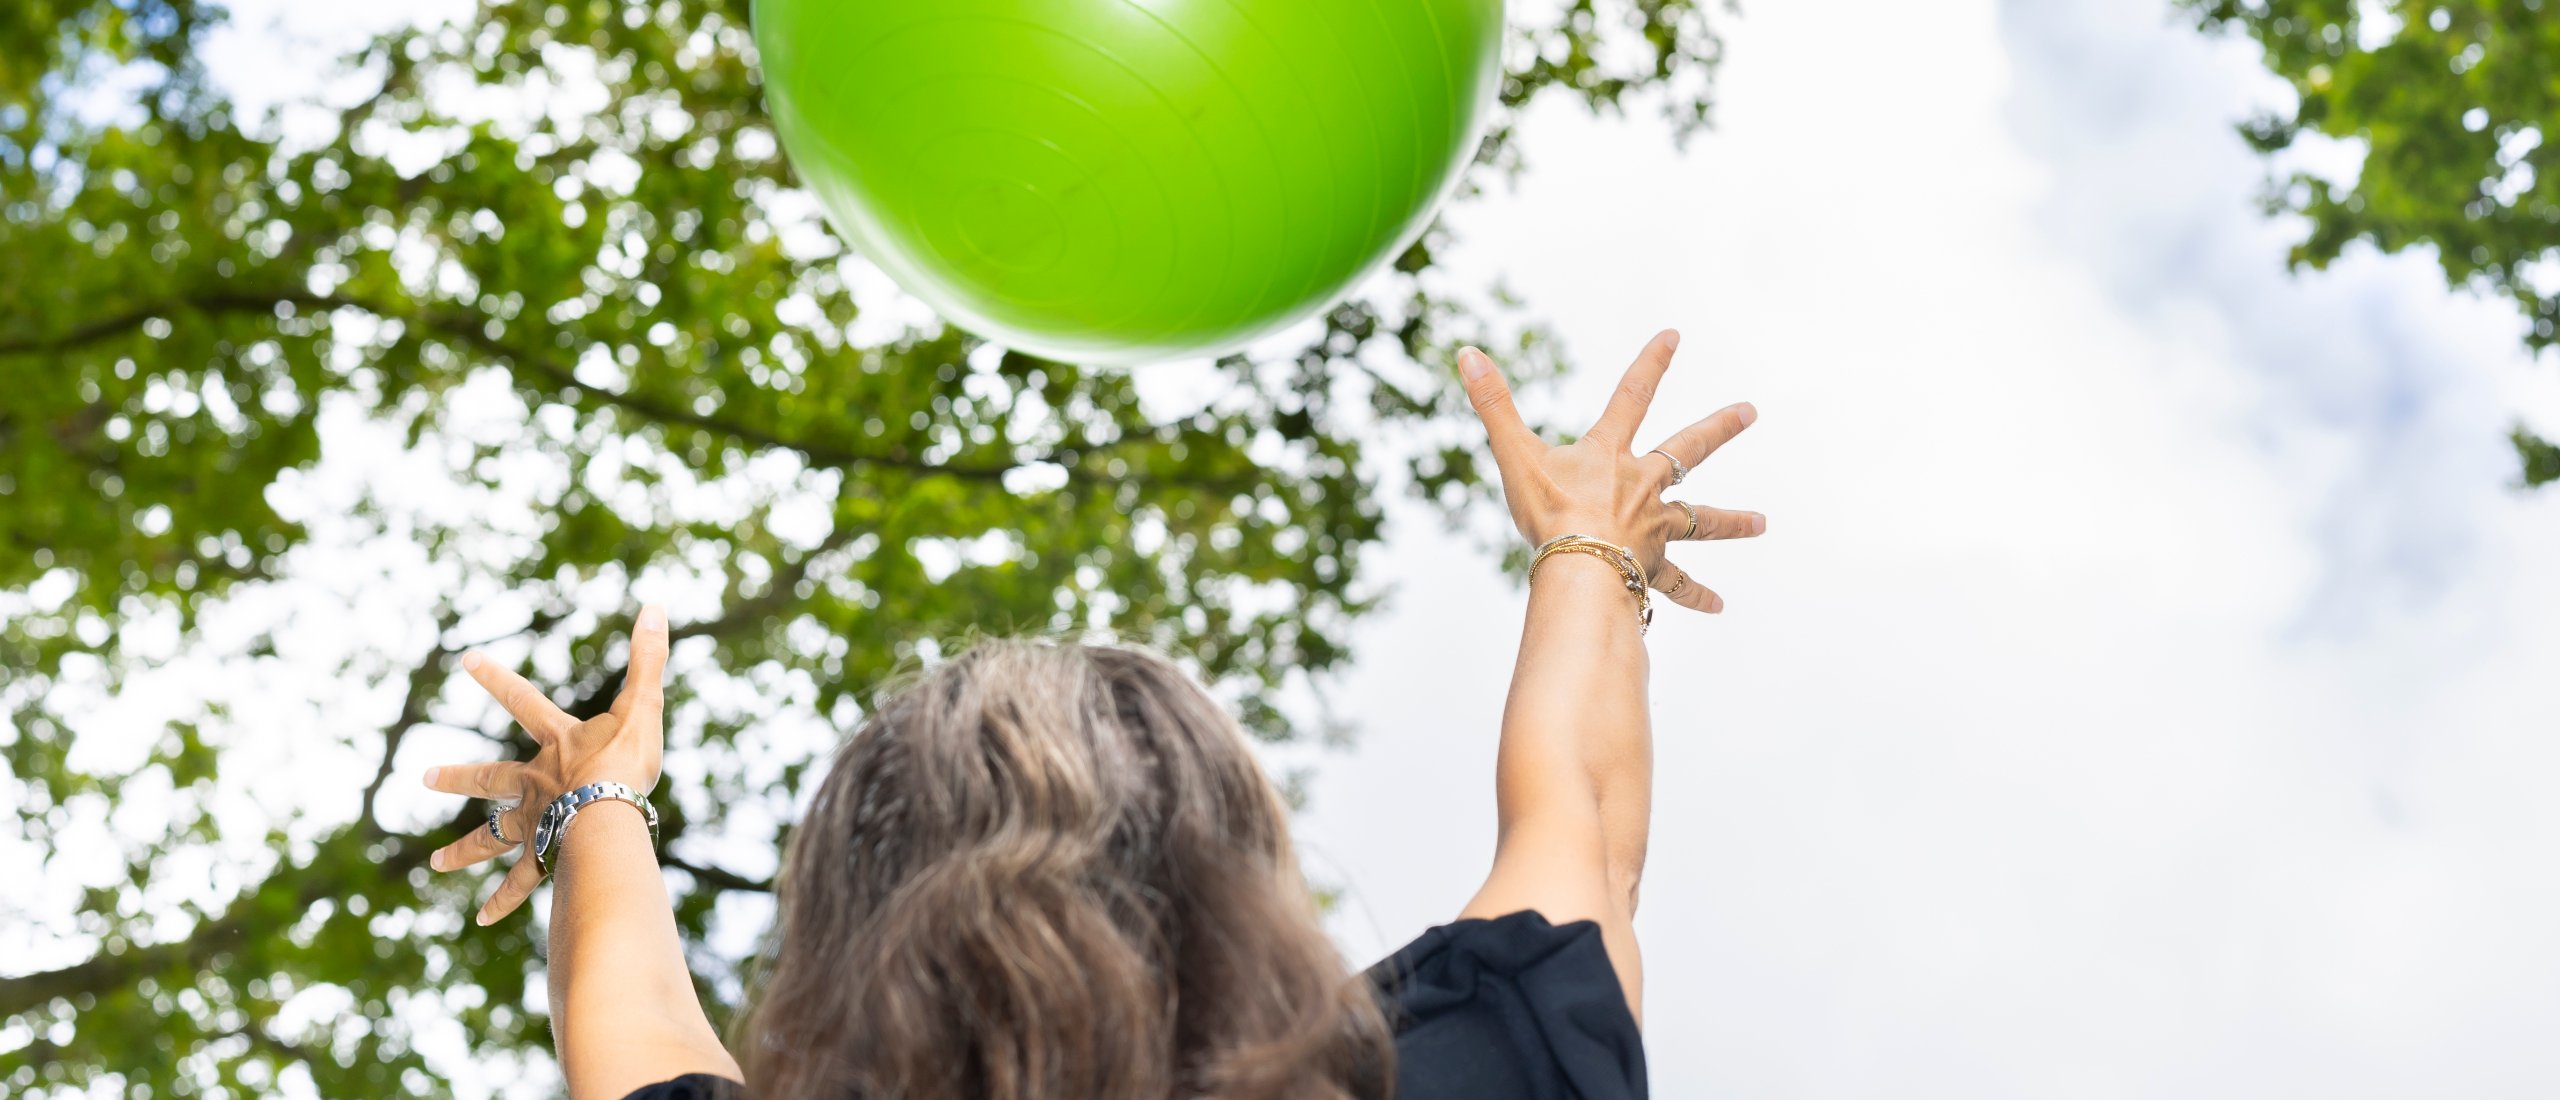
<point>1053,871</point>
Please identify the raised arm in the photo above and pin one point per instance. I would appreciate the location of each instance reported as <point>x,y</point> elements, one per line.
<point>623,1009</point>
<point>1574,774</point>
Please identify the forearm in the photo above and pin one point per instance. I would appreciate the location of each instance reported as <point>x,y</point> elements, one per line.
<point>623,1008</point>
<point>1574,774</point>
<point>1576,736</point>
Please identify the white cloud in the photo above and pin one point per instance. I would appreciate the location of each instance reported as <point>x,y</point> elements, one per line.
<point>2136,693</point>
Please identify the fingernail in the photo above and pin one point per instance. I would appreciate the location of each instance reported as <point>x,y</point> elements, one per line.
<point>1671,339</point>
<point>1472,364</point>
<point>1759,523</point>
<point>653,617</point>
<point>435,861</point>
<point>432,773</point>
<point>482,920</point>
<point>1746,413</point>
<point>1715,605</point>
<point>471,661</point>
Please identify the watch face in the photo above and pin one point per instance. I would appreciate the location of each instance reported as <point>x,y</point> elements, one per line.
<point>543,829</point>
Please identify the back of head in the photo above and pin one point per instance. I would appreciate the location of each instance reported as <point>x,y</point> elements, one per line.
<point>1053,872</point>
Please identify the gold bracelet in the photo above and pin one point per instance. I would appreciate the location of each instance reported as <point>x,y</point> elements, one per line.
<point>1617,561</point>
<point>1630,570</point>
<point>1624,558</point>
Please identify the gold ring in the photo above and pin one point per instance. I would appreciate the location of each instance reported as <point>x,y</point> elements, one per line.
<point>1692,513</point>
<point>1679,580</point>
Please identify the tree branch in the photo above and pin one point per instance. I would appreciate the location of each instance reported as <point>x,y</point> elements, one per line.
<point>718,878</point>
<point>820,452</point>
<point>197,951</point>
<point>247,912</point>
<point>322,878</point>
<point>461,329</point>
<point>212,301</point>
<point>424,681</point>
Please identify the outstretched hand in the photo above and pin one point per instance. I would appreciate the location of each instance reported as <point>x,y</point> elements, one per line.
<point>622,744</point>
<point>1597,485</point>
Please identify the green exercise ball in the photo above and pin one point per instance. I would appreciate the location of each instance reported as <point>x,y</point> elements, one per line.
<point>1124,181</point>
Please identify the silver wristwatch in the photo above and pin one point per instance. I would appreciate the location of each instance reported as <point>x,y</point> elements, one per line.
<point>555,817</point>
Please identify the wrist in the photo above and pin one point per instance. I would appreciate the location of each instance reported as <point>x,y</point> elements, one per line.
<point>1608,529</point>
<point>1579,572</point>
<point>610,821</point>
<point>1604,565</point>
<point>640,785</point>
<point>641,776</point>
<point>560,817</point>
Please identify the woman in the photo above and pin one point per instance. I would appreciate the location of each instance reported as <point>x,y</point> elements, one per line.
<point>1053,871</point>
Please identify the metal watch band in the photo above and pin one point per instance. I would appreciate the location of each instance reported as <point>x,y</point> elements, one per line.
<point>556,816</point>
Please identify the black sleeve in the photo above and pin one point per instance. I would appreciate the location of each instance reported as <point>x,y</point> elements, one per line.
<point>1511,1007</point>
<point>691,1086</point>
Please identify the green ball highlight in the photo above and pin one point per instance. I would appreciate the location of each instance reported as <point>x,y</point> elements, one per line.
<point>1125,181</point>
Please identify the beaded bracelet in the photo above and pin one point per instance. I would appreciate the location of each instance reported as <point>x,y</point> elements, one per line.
<point>1630,569</point>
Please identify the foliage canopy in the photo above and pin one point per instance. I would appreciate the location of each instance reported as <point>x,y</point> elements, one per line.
<point>2452,101</point>
<point>532,323</point>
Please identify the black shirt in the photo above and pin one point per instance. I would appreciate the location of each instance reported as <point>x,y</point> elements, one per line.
<point>1512,1008</point>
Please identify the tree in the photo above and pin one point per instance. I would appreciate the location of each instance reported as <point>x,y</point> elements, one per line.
<point>440,371</point>
<point>2451,101</point>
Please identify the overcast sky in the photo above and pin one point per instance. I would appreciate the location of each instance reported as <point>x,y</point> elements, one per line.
<point>2144,689</point>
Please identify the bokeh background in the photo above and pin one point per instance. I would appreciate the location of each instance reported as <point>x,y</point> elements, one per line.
<point>2145,688</point>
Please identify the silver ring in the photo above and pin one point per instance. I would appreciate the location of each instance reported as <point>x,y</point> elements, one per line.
<point>1692,513</point>
<point>1679,469</point>
<point>497,810</point>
